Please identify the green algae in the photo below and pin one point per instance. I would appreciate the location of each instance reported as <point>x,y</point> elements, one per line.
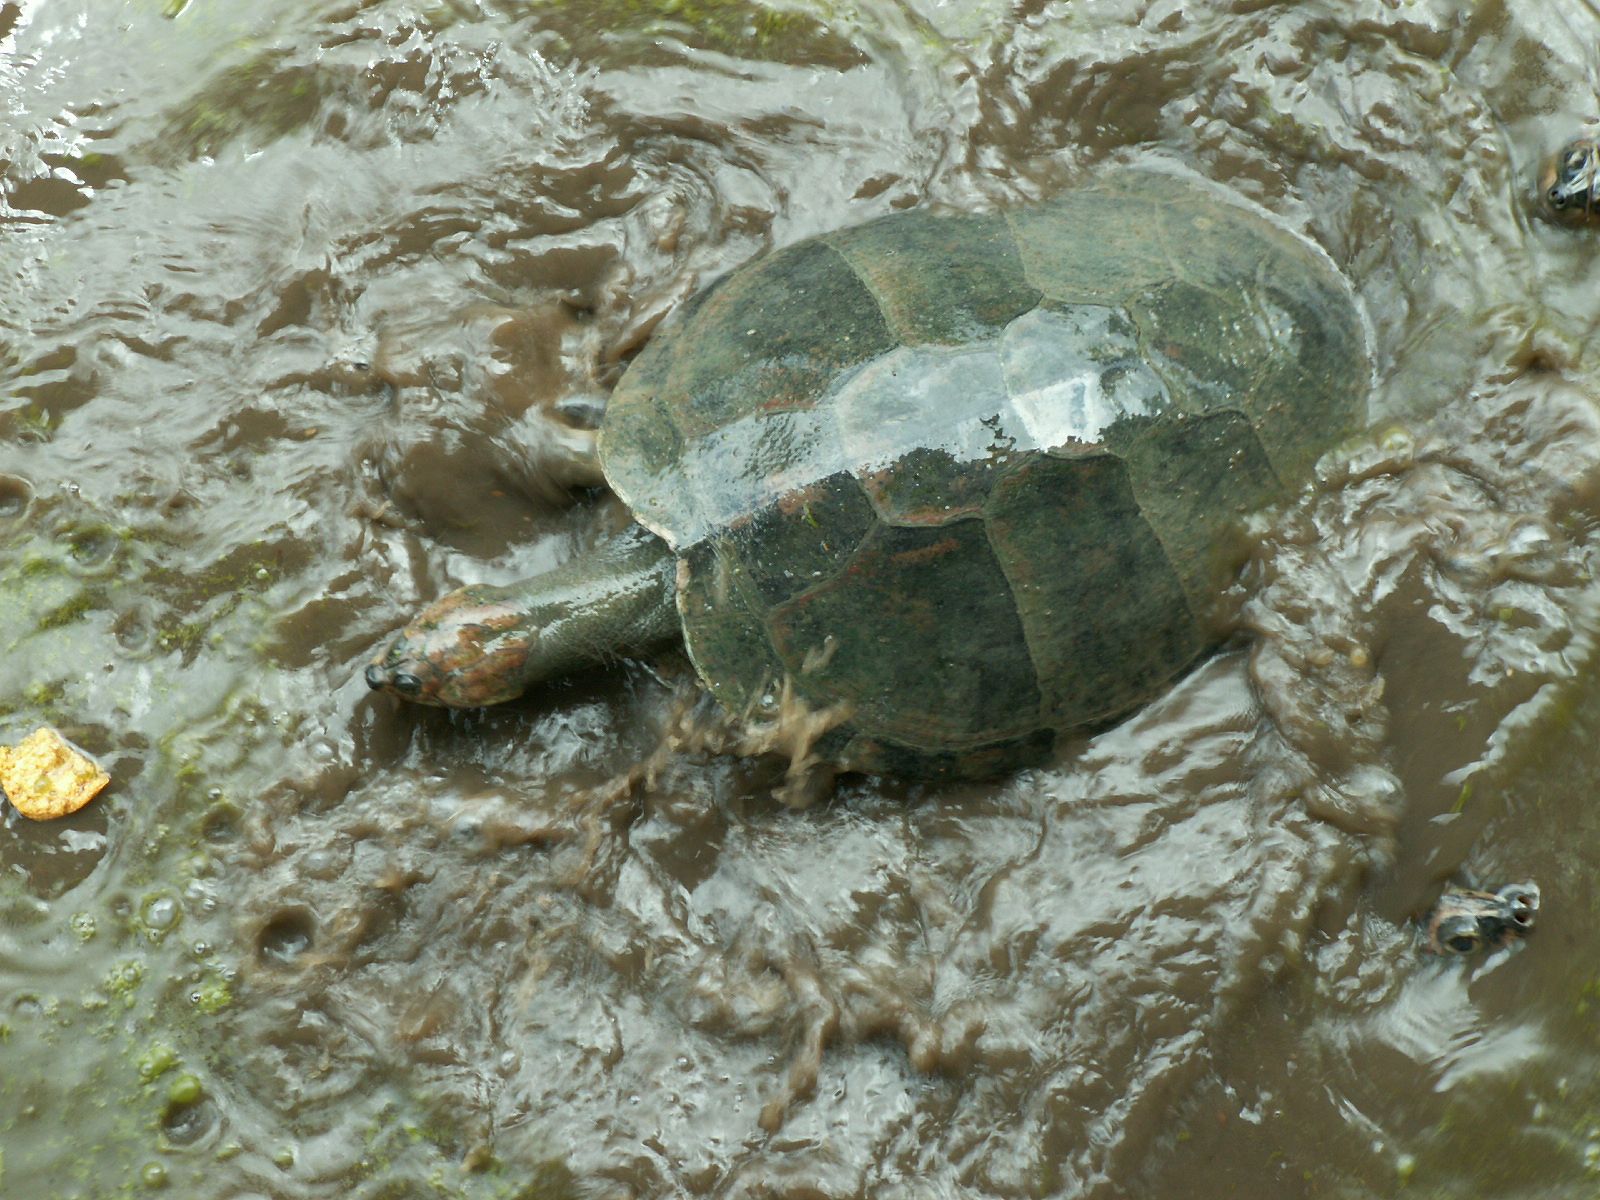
<point>44,696</point>
<point>263,98</point>
<point>185,1089</point>
<point>474,1172</point>
<point>1405,1168</point>
<point>124,979</point>
<point>212,996</point>
<point>91,1094</point>
<point>71,611</point>
<point>122,1047</point>
<point>36,566</point>
<point>34,423</point>
<point>156,1061</point>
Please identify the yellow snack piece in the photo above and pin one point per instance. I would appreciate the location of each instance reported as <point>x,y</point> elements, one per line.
<point>45,776</point>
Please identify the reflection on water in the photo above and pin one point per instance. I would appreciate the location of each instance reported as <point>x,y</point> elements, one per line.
<point>287,291</point>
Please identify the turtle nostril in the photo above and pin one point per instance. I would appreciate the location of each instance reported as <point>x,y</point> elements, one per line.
<point>407,685</point>
<point>376,679</point>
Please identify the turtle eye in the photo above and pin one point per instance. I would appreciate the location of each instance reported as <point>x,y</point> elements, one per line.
<point>1458,935</point>
<point>406,685</point>
<point>1462,943</point>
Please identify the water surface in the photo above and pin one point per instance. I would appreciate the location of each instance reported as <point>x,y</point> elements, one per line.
<point>287,294</point>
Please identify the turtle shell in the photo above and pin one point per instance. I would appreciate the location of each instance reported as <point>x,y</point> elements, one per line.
<point>980,477</point>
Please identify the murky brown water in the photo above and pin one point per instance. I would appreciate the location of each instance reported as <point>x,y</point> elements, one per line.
<point>285,291</point>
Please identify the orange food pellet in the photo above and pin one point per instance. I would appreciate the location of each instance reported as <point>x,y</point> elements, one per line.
<point>45,776</point>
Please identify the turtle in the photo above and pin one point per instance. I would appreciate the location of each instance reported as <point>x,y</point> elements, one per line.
<point>1467,920</point>
<point>974,482</point>
<point>1569,181</point>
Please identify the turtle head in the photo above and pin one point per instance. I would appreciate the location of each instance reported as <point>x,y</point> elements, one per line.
<point>483,644</point>
<point>1569,182</point>
<point>465,650</point>
<point>1465,921</point>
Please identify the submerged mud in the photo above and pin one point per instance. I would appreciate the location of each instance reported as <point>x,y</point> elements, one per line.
<point>295,302</point>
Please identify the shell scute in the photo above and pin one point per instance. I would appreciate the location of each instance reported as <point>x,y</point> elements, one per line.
<point>809,535</point>
<point>915,600</point>
<point>1072,371</point>
<point>775,337</point>
<point>940,279</point>
<point>724,626</point>
<point>1073,254</point>
<point>932,487</point>
<point>1196,478</point>
<point>640,441</point>
<point>1103,612</point>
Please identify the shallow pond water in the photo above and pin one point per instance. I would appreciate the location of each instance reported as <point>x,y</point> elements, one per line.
<point>288,296</point>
